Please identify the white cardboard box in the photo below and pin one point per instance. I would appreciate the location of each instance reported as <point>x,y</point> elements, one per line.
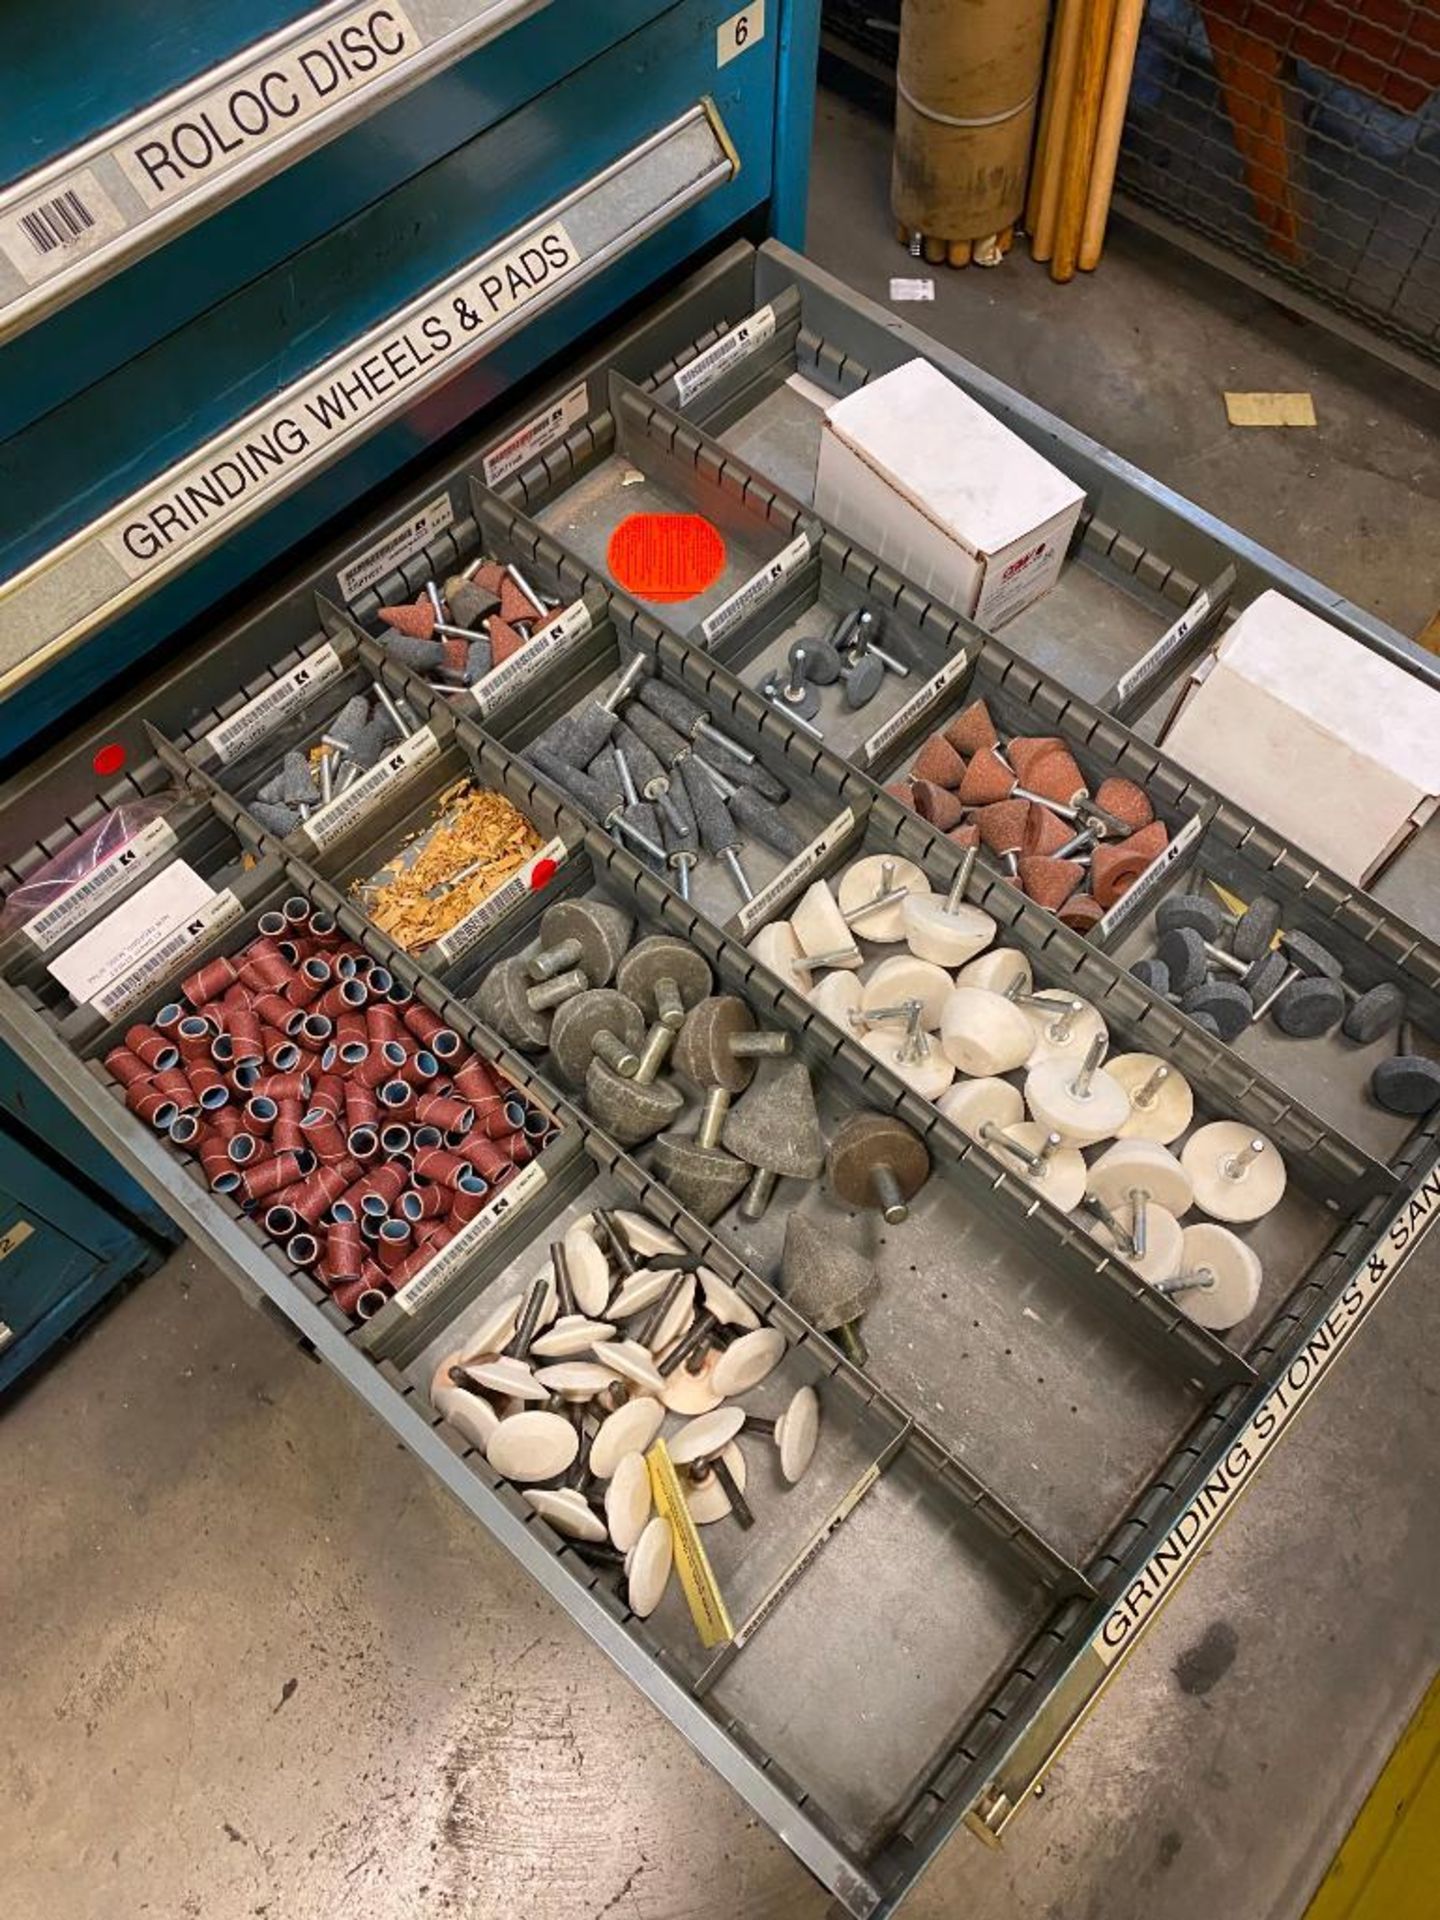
<point>1331,745</point>
<point>918,472</point>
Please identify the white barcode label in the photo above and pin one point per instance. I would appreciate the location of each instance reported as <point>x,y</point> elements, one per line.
<point>507,896</point>
<point>722,354</point>
<point>395,548</point>
<point>163,958</point>
<point>903,287</point>
<point>109,948</point>
<point>155,841</point>
<point>69,221</point>
<point>545,646</point>
<point>788,882</point>
<point>527,443</point>
<point>1151,664</point>
<point>928,696</point>
<point>439,1272</point>
<point>1134,900</point>
<point>248,725</point>
<point>757,589</point>
<point>331,822</point>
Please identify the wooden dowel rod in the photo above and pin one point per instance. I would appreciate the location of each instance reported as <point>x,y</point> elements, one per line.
<point>1059,90</point>
<point>1118,75</point>
<point>1080,136</point>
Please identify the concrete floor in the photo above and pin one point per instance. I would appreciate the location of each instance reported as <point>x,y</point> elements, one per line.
<point>258,1664</point>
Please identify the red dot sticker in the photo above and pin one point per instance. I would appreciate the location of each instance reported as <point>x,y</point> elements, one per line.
<point>665,556</point>
<point>542,873</point>
<point>109,758</point>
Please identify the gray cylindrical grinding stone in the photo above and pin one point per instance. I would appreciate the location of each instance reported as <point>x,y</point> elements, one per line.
<point>1374,1013</point>
<point>702,1047</point>
<point>1225,1002</point>
<point>501,1004</point>
<point>1153,974</point>
<point>739,775</point>
<point>1408,1084</point>
<point>675,708</point>
<point>1194,910</point>
<point>604,770</point>
<point>645,767</point>
<point>423,655</point>
<point>718,831</point>
<point>863,681</point>
<point>704,1179</point>
<point>627,1110</point>
<point>578,737</point>
<point>664,742</point>
<point>578,1020</point>
<point>1309,1007</point>
<point>828,1281</point>
<point>775,1125</point>
<point>581,788</point>
<point>1311,957</point>
<point>275,816</point>
<point>1265,974</point>
<point>759,819</point>
<point>1183,951</point>
<point>662,957</point>
<point>604,933</point>
<point>1256,928</point>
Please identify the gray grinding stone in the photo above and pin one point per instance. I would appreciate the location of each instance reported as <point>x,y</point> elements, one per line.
<point>579,786</point>
<point>704,1179</point>
<point>718,831</point>
<point>664,742</point>
<point>863,681</point>
<point>739,775</point>
<point>469,604</point>
<point>423,655</point>
<point>1182,950</point>
<point>351,721</point>
<point>1206,1023</point>
<point>646,820</point>
<point>1309,1007</point>
<point>866,1141</point>
<point>1153,974</point>
<point>477,661</point>
<point>501,1004</point>
<point>628,1112</point>
<point>1256,928</point>
<point>645,767</point>
<point>298,783</point>
<point>1264,975</point>
<point>822,662</point>
<point>604,933</point>
<point>578,1020</point>
<point>675,708</point>
<point>1408,1084</point>
<point>759,819</point>
<point>702,1046</point>
<point>1374,1013</point>
<point>1197,911</point>
<point>826,1280</point>
<point>775,1124</point>
<point>1311,957</point>
<point>662,956</point>
<point>373,740</point>
<point>275,817</point>
<point>604,770</point>
<point>578,737</point>
<point>682,811</point>
<point>1225,1002</point>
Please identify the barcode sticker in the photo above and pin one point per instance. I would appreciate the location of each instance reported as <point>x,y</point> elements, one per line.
<point>527,443</point>
<point>788,882</point>
<point>507,896</point>
<point>108,877</point>
<point>1134,900</point>
<point>332,821</point>
<point>114,944</point>
<point>1152,663</point>
<point>542,649</point>
<point>67,222</point>
<point>248,725</point>
<point>918,703</point>
<point>756,589</point>
<point>395,548</point>
<point>218,912</point>
<point>437,1274</point>
<point>722,354</point>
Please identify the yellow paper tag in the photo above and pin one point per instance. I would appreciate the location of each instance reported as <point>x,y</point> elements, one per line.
<point>707,1608</point>
<point>1270,409</point>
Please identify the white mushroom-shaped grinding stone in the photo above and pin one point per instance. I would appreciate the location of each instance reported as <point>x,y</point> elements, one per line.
<point>707,1498</point>
<point>837,996</point>
<point>947,939</point>
<point>689,1393</point>
<point>863,879</point>
<point>469,1413</point>
<point>776,947</point>
<point>1061,1178</point>
<point>1080,1117</point>
<point>1061,1035</point>
<point>639,1291</point>
<point>698,1439</point>
<point>496,1330</point>
<point>983,1032</point>
<point>630,1429</point>
<point>567,1511</point>
<point>1002,970</point>
<point>512,1378</point>
<point>643,1237</point>
<point>1239,1175</point>
<point>746,1361</point>
<point>1161,1258</point>
<point>796,1432</point>
<point>627,1501</point>
<point>647,1567</point>
<point>1206,1248</point>
<point>632,1362</point>
<point>970,1104</point>
<point>589,1271</point>
<point>1141,1166</point>
<point>929,1077</point>
<point>575,1379</point>
<point>532,1446</point>
<point>572,1334</point>
<point>819,925</point>
<point>1161,1103</point>
<point>903,977</point>
<point>730,1308</point>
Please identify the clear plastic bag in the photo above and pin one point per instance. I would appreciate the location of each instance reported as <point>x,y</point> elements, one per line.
<point>143,828</point>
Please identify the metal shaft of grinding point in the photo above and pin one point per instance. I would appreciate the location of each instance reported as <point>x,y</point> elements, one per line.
<point>615,1239</point>
<point>627,780</point>
<point>956,895</point>
<point>614,1052</point>
<point>1049,1147</point>
<point>683,863</point>
<point>756,1197</point>
<point>1199,1278</point>
<point>649,1324</point>
<point>851,1345</point>
<point>638,835</point>
<point>1148,1092</point>
<point>669,1006</point>
<point>726,789</point>
<point>1236,1163</point>
<point>1080,1085</point>
<point>1268,1002</point>
<point>837,957</point>
<point>557,959</point>
<point>1107,1219</point>
<point>564,1289</point>
<point>529,1319</point>
<point>537,600</point>
<point>671,814</point>
<point>884,899</point>
<point>712,1116</point>
<point>393,713</point>
<point>550,993</point>
<point>763,1044</point>
<point>629,680</point>
<point>701,1328</point>
<point>996,1137</point>
<point>732,1492</point>
<point>668,746</point>
<point>645,768</point>
<point>737,873</point>
<point>889,1195</point>
<point>327,777</point>
<point>1139,1235</point>
<point>658,1043</point>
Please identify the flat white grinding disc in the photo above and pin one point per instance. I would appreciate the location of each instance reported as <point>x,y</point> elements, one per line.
<point>1081,1119</point>
<point>1161,1259</point>
<point>643,1237</point>
<point>776,947</point>
<point>632,1362</point>
<point>698,1439</point>
<point>862,880</point>
<point>1248,1194</point>
<point>571,1335</point>
<point>1237,1272</point>
<point>969,1104</point>
<point>903,977</point>
<point>730,1308</point>
<point>1061,1040</point>
<point>630,1429</point>
<point>746,1361</point>
<point>639,1291</point>
<point>948,939</point>
<point>512,1378</point>
<point>929,1077</point>
<point>575,1379</point>
<point>983,1032</point>
<point>691,1393</point>
<point>1061,1179</point>
<point>707,1499</point>
<point>647,1568</point>
<point>837,996</point>
<point>1171,1107</point>
<point>818,924</point>
<point>797,1431</point>
<point>1142,1165</point>
<point>1000,969</point>
<point>589,1271</point>
<point>627,1501</point>
<point>567,1511</point>
<point>532,1446</point>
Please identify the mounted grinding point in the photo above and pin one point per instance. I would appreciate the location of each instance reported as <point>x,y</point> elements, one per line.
<point>876,1161</point>
<point>902,978</point>
<point>938,761</point>
<point>1126,800</point>
<point>1080,1103</point>
<point>983,1032</point>
<point>502,1003</point>
<point>1163,1235</point>
<point>1309,1007</point>
<point>710,1433</point>
<point>1002,970</point>
<point>1181,951</point>
<point>1238,1174</point>
<point>628,1501</point>
<point>631,1362</point>
<point>775,1129</point>
<point>720,1043</point>
<point>972,729</point>
<point>929,1075</point>
<point>747,1361</point>
<point>1117,865</point>
<point>864,880</point>
<point>577,1022</point>
<point>759,819</point>
<point>706,1495</point>
<point>576,738</point>
<point>576,1381</point>
<point>827,1281</point>
<point>689,1393</point>
<point>703,1179</point>
<point>819,925</point>
<point>532,1446</point>
<point>946,935</point>
<point>601,932</point>
<point>1057,1172</point>
<point>1409,1082</point>
<point>1162,1104</point>
<point>568,1512</point>
<point>777,948</point>
<point>1065,1027</point>
<point>972,1104</point>
<point>626,1110</point>
<point>630,1429</point>
<point>1230,1270</point>
<point>589,1270</point>
<point>837,996</point>
<point>1140,1166</point>
<point>571,1335</point>
<point>660,959</point>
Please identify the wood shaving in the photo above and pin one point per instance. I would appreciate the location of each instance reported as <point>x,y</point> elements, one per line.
<point>472,824</point>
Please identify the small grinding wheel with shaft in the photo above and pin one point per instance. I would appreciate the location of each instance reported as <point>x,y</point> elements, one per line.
<point>1237,1173</point>
<point>876,1161</point>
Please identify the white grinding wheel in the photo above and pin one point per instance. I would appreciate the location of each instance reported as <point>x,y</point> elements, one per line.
<point>575,1379</point>
<point>632,1362</point>
<point>647,1567</point>
<point>698,1439</point>
<point>837,996</point>
<point>707,1499</point>
<point>630,1429</point>
<point>929,1077</point>
<point>947,939</point>
<point>689,1393</point>
<point>796,1433</point>
<point>1154,1170</point>
<point>1062,1177</point>
<point>1237,1272</point>
<point>570,1336</point>
<point>567,1511</point>
<point>532,1446</point>
<point>970,1104</point>
<point>1060,1040</point>
<point>644,1238</point>
<point>862,880</point>
<point>983,1032</point>
<point>503,1375</point>
<point>746,1361</point>
<point>589,1271</point>
<point>627,1501</point>
<point>1223,1188</point>
<point>677,1317</point>
<point>1002,970</point>
<point>1080,1119</point>
<point>1168,1110</point>
<point>729,1307</point>
<point>495,1331</point>
<point>818,924</point>
<point>776,947</point>
<point>903,977</point>
<point>1161,1259</point>
<point>641,1290</point>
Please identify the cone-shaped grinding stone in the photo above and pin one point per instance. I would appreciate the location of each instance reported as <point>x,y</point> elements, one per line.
<point>1115,868</point>
<point>630,1113</point>
<point>1081,912</point>
<point>938,761</point>
<point>352,720</point>
<point>662,956</point>
<point>818,922</point>
<point>490,575</point>
<point>1046,832</point>
<point>759,819</point>
<point>718,832</point>
<point>826,1280</point>
<point>1048,882</point>
<point>901,790</point>
<point>468,602</point>
<point>967,835</point>
<point>505,642</point>
<point>478,661</point>
<point>416,622</point>
<point>578,1020</point>
<point>1026,752</point>
<point>298,785</point>
<point>516,604</point>
<point>501,1004</point>
<point>775,1125</point>
<point>1126,800</point>
<point>702,1046</point>
<point>1002,827</point>
<point>275,816</point>
<point>937,805</point>
<point>972,729</point>
<point>1057,776</point>
<point>776,947</point>
<point>987,779</point>
<point>603,931</point>
<point>581,788</point>
<point>701,1178</point>
<point>424,655</point>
